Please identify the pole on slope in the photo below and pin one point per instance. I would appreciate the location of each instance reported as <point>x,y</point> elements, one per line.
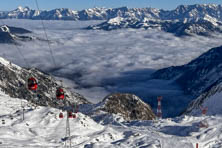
<point>68,138</point>
<point>204,123</point>
<point>23,110</point>
<point>23,115</point>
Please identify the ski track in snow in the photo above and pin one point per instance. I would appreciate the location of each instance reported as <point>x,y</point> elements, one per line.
<point>100,62</point>
<point>43,128</point>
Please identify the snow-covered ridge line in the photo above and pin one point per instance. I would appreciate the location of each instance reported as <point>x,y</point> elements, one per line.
<point>184,13</point>
<point>178,28</point>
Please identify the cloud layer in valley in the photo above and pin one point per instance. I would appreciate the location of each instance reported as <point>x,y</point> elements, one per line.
<point>101,62</point>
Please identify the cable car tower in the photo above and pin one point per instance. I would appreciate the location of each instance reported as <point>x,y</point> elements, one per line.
<point>60,93</point>
<point>60,96</point>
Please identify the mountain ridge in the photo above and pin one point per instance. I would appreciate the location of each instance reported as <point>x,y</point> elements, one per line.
<point>195,76</point>
<point>182,13</point>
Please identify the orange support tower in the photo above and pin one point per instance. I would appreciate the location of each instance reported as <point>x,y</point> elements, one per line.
<point>204,123</point>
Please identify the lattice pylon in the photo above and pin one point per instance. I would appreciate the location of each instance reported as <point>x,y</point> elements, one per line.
<point>67,133</point>
<point>159,110</point>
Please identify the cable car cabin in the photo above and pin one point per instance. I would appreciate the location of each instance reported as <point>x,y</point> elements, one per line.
<point>60,94</point>
<point>61,115</point>
<point>70,115</point>
<point>74,115</point>
<point>32,84</point>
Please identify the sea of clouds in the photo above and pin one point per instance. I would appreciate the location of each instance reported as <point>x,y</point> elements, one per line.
<point>101,62</point>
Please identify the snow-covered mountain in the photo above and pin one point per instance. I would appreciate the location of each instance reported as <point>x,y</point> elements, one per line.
<point>182,13</point>
<point>68,14</point>
<point>199,27</point>
<point>184,20</point>
<point>13,81</point>
<point>11,34</point>
<point>197,77</point>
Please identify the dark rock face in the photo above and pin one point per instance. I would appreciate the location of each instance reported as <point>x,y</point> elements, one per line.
<point>6,37</point>
<point>13,81</point>
<point>11,34</point>
<point>129,106</point>
<point>17,30</point>
<point>199,75</point>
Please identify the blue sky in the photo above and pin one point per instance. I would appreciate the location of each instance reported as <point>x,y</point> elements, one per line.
<point>82,4</point>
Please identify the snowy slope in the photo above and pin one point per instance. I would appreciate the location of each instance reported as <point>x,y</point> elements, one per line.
<point>43,128</point>
<point>210,99</point>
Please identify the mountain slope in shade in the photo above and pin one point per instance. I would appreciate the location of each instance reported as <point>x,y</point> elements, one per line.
<point>12,34</point>
<point>199,75</point>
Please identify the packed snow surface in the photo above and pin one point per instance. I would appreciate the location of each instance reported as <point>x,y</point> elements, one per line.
<point>42,128</point>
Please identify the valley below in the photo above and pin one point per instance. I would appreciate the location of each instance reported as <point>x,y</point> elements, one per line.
<point>96,63</point>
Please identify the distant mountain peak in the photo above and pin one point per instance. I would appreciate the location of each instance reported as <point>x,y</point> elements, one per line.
<point>195,19</point>
<point>21,9</point>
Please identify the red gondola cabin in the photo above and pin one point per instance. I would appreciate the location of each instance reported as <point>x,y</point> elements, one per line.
<point>60,115</point>
<point>32,84</point>
<point>74,115</point>
<point>60,94</point>
<point>70,115</point>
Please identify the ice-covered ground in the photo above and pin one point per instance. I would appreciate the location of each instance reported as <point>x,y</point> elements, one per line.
<point>43,128</point>
<point>101,62</point>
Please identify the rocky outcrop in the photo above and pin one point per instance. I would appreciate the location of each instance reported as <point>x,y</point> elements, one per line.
<point>129,106</point>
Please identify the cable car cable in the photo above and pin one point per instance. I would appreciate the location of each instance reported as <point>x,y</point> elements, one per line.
<point>47,39</point>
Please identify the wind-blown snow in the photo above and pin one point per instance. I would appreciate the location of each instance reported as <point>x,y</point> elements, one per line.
<point>96,60</point>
